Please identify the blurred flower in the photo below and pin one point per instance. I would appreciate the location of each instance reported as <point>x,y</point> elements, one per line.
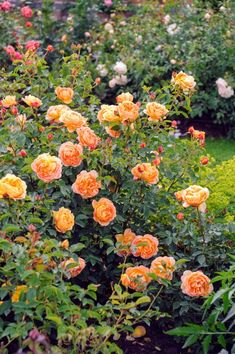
<point>224,89</point>
<point>9,101</point>
<point>121,80</point>
<point>73,267</point>
<point>109,27</point>
<point>108,3</point>
<point>125,96</point>
<point>26,11</point>
<point>5,6</point>
<point>55,112</point>
<point>32,101</point>
<point>173,29</point>
<point>204,160</point>
<point>102,70</point>
<point>120,68</point>
<point>139,39</point>
<point>112,83</point>
<point>32,45</point>
<point>166,19</point>
<point>20,289</point>
<point>207,16</point>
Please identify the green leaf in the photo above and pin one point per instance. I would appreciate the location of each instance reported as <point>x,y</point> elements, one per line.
<point>206,343</point>
<point>54,318</point>
<point>190,340</point>
<point>143,300</point>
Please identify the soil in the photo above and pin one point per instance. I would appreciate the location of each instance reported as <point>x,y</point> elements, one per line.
<point>153,342</point>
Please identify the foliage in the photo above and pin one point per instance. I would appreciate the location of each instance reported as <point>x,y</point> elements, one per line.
<point>218,319</point>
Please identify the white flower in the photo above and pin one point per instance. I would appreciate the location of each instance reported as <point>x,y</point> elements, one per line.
<point>108,27</point>
<point>222,8</point>
<point>139,39</point>
<point>173,61</point>
<point>123,23</point>
<point>172,29</point>
<point>224,90</point>
<point>166,19</point>
<point>120,68</point>
<point>207,16</point>
<point>102,70</point>
<point>158,48</point>
<point>112,83</point>
<point>87,34</point>
<point>121,80</point>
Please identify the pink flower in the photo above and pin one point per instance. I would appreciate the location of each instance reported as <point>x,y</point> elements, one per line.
<point>32,45</point>
<point>5,6</point>
<point>26,11</point>
<point>10,50</point>
<point>108,3</point>
<point>16,56</point>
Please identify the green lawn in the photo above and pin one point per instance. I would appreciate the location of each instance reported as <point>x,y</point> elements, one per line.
<point>220,149</point>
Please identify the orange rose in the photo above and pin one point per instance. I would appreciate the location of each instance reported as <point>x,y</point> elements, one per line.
<point>199,134</point>
<point>125,241</point>
<point>87,137</point>
<point>54,112</point>
<point>163,267</point>
<point>108,114</point>
<point>72,120</point>
<point>125,96</point>
<point>146,172</point>
<point>136,278</point>
<point>113,133</point>
<point>70,154</point>
<point>9,101</point>
<point>32,101</point>
<point>47,167</point>
<point>144,246</point>
<point>179,195</point>
<point>195,196</point>
<point>77,267</point>
<point>63,220</point>
<point>104,211</point>
<point>12,187</point>
<point>128,111</point>
<point>195,283</point>
<point>86,184</point>
<point>184,81</point>
<point>65,94</point>
<point>155,111</point>
<point>64,244</point>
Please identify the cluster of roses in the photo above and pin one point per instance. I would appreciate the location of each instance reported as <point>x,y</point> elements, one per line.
<point>87,185</point>
<point>139,277</point>
<point>31,46</point>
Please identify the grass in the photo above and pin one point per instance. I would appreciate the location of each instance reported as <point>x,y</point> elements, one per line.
<point>220,149</point>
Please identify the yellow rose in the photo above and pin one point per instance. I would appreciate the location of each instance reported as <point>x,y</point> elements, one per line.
<point>108,114</point>
<point>128,111</point>
<point>195,196</point>
<point>54,112</point>
<point>63,219</point>
<point>65,94</point>
<point>32,101</point>
<point>72,120</point>
<point>9,101</point>
<point>125,96</point>
<point>184,81</point>
<point>12,187</point>
<point>155,111</point>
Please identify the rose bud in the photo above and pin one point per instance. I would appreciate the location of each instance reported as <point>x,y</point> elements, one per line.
<point>50,136</point>
<point>41,129</point>
<point>14,110</point>
<point>152,95</point>
<point>31,228</point>
<point>138,104</point>
<point>142,145</point>
<point>28,24</point>
<point>157,161</point>
<point>174,123</point>
<point>98,81</point>
<point>191,130</point>
<point>204,160</point>
<point>180,216</point>
<point>160,149</point>
<point>50,48</point>
<point>23,153</point>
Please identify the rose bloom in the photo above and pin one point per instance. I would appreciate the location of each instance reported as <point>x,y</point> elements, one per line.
<point>204,160</point>
<point>109,114</point>
<point>144,246</point>
<point>9,101</point>
<point>26,11</point>
<point>12,187</point>
<point>63,220</point>
<point>104,211</point>
<point>87,137</point>
<point>163,267</point>
<point>5,6</point>
<point>195,196</point>
<point>70,154</point>
<point>146,172</point>
<point>195,283</point>
<point>20,289</point>
<point>65,94</point>
<point>86,184</point>
<point>179,195</point>
<point>128,111</point>
<point>120,68</point>
<point>77,267</point>
<point>9,50</point>
<point>199,134</point>
<point>136,278</point>
<point>125,241</point>
<point>21,119</point>
<point>72,120</point>
<point>54,112</point>
<point>32,45</point>
<point>32,101</point>
<point>47,167</point>
<point>155,111</point>
<point>64,244</point>
<point>125,96</point>
<point>184,81</point>
<point>113,133</point>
